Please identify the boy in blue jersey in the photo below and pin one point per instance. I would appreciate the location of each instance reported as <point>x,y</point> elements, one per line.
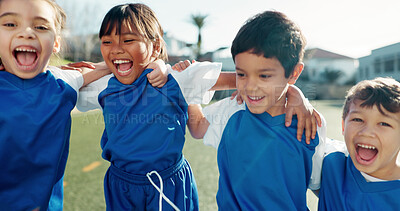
<point>370,178</point>
<point>261,163</point>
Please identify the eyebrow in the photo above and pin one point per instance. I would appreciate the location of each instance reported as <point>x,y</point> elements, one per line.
<point>260,70</point>
<point>8,14</point>
<point>17,15</point>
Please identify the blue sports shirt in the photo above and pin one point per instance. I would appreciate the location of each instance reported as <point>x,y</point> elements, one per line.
<point>35,126</point>
<point>343,187</point>
<point>144,125</point>
<point>261,163</point>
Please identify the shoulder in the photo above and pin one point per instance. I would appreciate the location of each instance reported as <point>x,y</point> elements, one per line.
<point>218,115</point>
<point>71,77</point>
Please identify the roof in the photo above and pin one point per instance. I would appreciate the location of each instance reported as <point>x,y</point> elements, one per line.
<point>323,54</point>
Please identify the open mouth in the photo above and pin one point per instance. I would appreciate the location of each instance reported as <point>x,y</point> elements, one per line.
<point>124,67</point>
<point>26,57</point>
<point>366,154</point>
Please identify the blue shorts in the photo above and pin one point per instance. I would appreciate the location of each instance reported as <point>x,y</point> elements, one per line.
<point>125,191</point>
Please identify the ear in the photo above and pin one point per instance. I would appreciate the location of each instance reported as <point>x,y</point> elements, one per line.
<point>296,73</point>
<point>57,45</point>
<point>156,48</point>
<point>342,127</point>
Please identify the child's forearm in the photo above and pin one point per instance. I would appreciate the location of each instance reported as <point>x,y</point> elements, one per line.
<point>197,123</point>
<point>226,80</point>
<point>90,75</point>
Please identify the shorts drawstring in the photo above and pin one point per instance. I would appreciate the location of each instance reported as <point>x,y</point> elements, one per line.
<point>160,190</point>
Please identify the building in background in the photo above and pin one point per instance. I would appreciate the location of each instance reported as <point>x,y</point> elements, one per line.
<point>321,66</point>
<point>384,61</point>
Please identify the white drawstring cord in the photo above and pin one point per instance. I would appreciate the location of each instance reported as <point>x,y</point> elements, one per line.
<point>160,190</point>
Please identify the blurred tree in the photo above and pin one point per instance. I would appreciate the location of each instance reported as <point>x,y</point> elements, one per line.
<point>199,21</point>
<point>332,75</point>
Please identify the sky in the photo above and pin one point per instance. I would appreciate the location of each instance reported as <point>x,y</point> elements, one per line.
<point>349,27</point>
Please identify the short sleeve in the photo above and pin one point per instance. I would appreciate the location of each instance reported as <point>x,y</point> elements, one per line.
<point>196,81</point>
<point>71,77</point>
<point>218,115</point>
<point>89,94</point>
<point>325,147</point>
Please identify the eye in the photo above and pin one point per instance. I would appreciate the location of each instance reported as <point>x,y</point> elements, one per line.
<point>264,76</point>
<point>106,42</point>
<point>356,120</point>
<point>384,124</point>
<point>129,40</point>
<point>41,28</point>
<point>240,74</point>
<point>9,25</point>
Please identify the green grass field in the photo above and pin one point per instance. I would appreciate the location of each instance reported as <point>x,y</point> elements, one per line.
<point>83,180</point>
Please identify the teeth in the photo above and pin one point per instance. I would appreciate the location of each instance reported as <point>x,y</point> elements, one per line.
<point>121,61</point>
<point>255,98</point>
<point>366,146</point>
<point>123,71</point>
<point>25,50</point>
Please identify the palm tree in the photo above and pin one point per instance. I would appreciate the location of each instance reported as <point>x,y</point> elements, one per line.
<point>199,21</point>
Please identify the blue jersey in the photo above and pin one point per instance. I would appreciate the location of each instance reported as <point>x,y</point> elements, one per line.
<point>35,126</point>
<point>343,187</point>
<point>145,126</point>
<point>261,163</point>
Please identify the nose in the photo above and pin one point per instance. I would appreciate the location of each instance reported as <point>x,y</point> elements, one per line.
<point>251,84</point>
<point>367,131</point>
<point>27,33</point>
<point>117,49</point>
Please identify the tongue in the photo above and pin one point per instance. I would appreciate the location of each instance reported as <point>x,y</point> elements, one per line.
<point>125,66</point>
<point>366,154</point>
<point>26,58</point>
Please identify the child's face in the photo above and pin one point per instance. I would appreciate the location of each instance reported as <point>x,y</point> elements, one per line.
<point>127,55</point>
<point>373,140</point>
<point>262,84</point>
<point>28,36</point>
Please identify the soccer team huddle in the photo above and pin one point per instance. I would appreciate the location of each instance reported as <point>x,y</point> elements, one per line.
<point>267,160</point>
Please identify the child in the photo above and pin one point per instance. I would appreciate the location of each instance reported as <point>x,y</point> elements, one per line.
<point>144,126</point>
<point>262,166</point>
<point>370,180</point>
<point>37,100</point>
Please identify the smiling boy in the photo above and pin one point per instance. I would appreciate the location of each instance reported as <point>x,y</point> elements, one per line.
<point>370,178</point>
<point>261,163</point>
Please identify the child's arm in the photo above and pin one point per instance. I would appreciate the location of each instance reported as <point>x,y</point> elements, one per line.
<point>307,116</point>
<point>226,80</point>
<point>197,122</point>
<point>157,78</point>
<point>90,75</point>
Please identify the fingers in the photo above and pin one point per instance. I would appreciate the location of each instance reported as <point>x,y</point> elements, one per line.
<point>288,117</point>
<point>156,80</point>
<point>234,94</point>
<point>300,126</point>
<point>65,67</point>
<point>82,64</point>
<point>182,65</point>
<point>308,131</point>
<point>314,127</point>
<point>317,117</point>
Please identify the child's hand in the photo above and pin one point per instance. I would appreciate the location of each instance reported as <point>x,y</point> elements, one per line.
<point>78,65</point>
<point>159,76</point>
<point>307,116</point>
<point>182,65</point>
<point>238,97</point>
